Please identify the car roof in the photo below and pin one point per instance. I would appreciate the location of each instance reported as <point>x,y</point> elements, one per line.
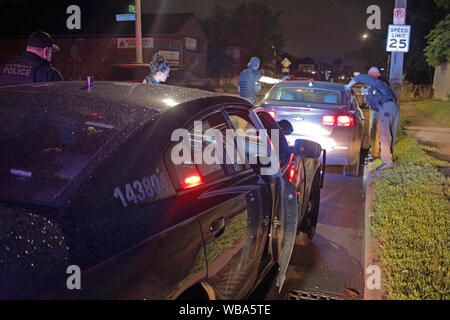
<point>144,101</point>
<point>116,93</point>
<point>316,84</point>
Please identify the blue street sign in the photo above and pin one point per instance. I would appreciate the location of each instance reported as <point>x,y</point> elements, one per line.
<point>126,17</point>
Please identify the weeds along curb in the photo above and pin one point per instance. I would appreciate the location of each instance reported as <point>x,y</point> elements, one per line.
<point>371,244</point>
<point>408,218</point>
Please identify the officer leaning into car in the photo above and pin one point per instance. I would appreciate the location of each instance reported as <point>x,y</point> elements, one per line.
<point>382,99</point>
<point>34,64</point>
<point>374,134</point>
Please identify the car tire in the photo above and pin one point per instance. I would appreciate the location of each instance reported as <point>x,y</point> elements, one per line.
<point>309,223</point>
<point>353,170</point>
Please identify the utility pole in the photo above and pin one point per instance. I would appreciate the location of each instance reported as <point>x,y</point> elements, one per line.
<point>138,25</point>
<point>396,70</point>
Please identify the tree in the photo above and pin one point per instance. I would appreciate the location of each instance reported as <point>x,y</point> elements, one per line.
<point>252,27</point>
<point>438,49</point>
<point>423,17</point>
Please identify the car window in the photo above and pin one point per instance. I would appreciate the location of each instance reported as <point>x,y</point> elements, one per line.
<point>198,169</point>
<point>253,143</point>
<point>307,95</point>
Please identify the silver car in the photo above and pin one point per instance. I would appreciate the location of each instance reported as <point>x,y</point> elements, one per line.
<point>323,112</point>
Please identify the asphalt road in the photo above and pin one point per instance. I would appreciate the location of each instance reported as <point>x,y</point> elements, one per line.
<point>332,265</point>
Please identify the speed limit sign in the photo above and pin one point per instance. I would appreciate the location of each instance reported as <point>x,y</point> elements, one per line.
<point>398,38</point>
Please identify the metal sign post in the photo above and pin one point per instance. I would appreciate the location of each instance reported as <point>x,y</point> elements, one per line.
<point>396,71</point>
<point>138,26</point>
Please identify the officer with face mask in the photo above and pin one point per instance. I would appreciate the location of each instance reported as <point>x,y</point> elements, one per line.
<point>249,80</point>
<point>34,64</point>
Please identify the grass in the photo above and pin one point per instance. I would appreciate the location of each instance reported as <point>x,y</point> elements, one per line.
<point>438,110</point>
<point>411,223</point>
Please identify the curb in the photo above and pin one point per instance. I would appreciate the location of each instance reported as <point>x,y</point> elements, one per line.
<point>371,245</point>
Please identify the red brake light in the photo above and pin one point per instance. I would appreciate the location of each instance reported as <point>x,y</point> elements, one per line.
<point>192,181</point>
<point>272,114</point>
<point>329,121</point>
<point>291,174</point>
<point>345,121</point>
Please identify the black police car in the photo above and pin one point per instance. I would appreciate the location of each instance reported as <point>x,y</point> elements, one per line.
<point>92,204</point>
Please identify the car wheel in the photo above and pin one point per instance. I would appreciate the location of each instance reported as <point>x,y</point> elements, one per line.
<point>309,222</point>
<point>353,170</point>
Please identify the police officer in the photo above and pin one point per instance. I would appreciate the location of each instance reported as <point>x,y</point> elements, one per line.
<point>374,133</point>
<point>382,100</point>
<point>34,64</point>
<point>159,70</point>
<point>249,80</point>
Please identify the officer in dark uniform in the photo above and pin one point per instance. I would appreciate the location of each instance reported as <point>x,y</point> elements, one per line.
<point>249,82</point>
<point>382,99</point>
<point>34,64</point>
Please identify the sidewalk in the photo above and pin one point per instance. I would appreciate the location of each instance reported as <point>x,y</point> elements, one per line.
<point>427,131</point>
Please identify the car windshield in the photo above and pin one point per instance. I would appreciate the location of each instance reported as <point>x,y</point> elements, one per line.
<point>45,147</point>
<point>307,95</point>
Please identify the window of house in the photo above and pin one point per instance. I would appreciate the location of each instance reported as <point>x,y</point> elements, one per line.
<point>191,44</point>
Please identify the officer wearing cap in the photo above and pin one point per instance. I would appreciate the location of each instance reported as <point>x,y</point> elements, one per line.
<point>34,64</point>
<point>249,80</point>
<point>381,98</point>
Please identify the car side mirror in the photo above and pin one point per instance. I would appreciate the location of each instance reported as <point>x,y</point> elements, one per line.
<point>307,149</point>
<point>286,127</point>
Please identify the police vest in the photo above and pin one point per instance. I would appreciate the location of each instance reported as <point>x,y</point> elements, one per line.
<point>19,70</point>
<point>249,84</point>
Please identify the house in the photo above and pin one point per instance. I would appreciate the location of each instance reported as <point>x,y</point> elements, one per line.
<point>102,45</point>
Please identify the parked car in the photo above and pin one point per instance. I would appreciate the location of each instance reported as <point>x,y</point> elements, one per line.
<point>371,135</point>
<point>323,112</point>
<point>88,183</point>
<point>306,75</point>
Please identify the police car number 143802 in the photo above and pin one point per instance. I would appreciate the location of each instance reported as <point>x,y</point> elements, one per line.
<point>147,188</point>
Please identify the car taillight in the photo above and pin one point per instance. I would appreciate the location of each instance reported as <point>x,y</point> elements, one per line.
<point>341,121</point>
<point>345,121</point>
<point>272,114</point>
<point>192,181</point>
<point>329,121</point>
<point>291,174</point>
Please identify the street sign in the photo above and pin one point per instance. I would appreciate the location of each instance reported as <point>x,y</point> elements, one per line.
<point>398,38</point>
<point>286,63</point>
<point>132,8</point>
<point>126,17</point>
<point>130,43</point>
<point>399,16</point>
<point>285,70</point>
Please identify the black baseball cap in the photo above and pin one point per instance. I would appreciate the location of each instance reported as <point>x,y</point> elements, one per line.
<point>41,39</point>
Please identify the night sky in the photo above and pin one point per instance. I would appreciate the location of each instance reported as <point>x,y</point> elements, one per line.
<point>316,28</point>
